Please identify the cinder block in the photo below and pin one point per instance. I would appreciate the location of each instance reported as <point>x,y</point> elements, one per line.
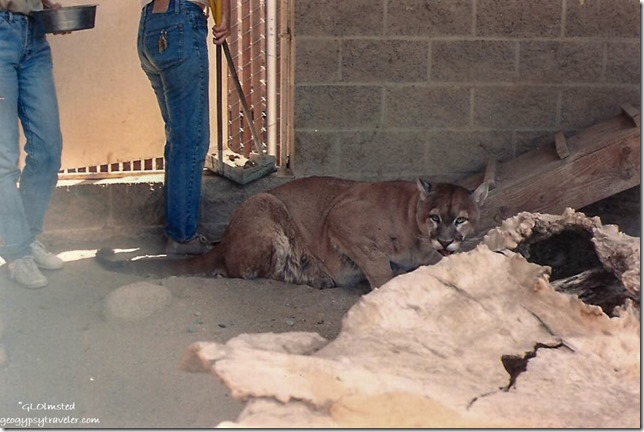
<point>555,62</point>
<point>216,187</point>
<point>316,153</point>
<point>603,18</point>
<point>139,204</point>
<point>218,209</point>
<point>429,18</point>
<point>427,107</point>
<point>216,214</point>
<point>339,18</point>
<point>337,107</point>
<point>407,154</point>
<point>318,61</point>
<point>526,141</point>
<point>519,18</point>
<point>515,107</point>
<point>383,154</point>
<point>459,153</point>
<point>384,60</point>
<point>583,106</point>
<point>623,63</point>
<point>78,207</point>
<point>220,198</point>
<point>473,60</point>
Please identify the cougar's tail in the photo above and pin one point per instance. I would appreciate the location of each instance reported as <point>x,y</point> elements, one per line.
<point>208,264</point>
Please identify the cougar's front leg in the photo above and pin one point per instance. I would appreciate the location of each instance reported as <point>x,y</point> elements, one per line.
<point>375,266</point>
<point>369,259</point>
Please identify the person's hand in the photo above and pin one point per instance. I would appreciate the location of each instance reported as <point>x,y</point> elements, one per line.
<point>222,31</point>
<point>51,5</point>
<point>48,4</point>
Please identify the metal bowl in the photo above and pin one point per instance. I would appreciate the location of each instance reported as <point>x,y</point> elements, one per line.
<point>66,19</point>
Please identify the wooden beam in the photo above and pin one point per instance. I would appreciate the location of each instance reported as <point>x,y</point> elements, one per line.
<point>604,160</point>
<point>632,112</point>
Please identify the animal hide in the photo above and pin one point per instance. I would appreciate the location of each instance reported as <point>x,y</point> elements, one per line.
<point>480,339</point>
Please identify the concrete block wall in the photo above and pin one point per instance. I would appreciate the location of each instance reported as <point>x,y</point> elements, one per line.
<point>400,88</point>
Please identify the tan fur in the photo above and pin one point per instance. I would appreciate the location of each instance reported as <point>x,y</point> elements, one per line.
<point>325,232</point>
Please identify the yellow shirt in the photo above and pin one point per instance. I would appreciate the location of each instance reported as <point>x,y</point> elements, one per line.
<point>21,6</point>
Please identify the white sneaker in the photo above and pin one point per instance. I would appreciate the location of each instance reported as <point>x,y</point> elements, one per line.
<point>43,259</point>
<point>26,273</point>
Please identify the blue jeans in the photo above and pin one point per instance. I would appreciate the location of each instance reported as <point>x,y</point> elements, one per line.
<point>28,94</point>
<point>173,52</point>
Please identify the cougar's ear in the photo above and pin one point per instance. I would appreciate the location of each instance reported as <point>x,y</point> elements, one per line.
<point>424,187</point>
<point>480,193</point>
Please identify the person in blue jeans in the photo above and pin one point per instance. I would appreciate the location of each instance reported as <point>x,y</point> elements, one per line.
<point>28,96</point>
<point>174,55</point>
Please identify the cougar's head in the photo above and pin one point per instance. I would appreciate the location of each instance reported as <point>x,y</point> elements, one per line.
<point>447,213</point>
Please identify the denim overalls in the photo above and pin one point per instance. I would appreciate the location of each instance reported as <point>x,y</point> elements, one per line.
<point>173,52</point>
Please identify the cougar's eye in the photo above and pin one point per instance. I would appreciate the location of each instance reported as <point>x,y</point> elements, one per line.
<point>460,220</point>
<point>435,218</point>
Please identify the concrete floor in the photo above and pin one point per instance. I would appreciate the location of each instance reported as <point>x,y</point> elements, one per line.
<point>57,346</point>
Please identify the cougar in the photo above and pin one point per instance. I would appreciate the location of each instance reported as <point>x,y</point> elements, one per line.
<point>326,232</point>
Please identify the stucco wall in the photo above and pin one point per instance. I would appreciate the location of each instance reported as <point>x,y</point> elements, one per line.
<point>108,110</point>
<point>399,88</point>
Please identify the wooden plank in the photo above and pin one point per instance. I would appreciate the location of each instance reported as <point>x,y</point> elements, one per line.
<point>588,179</point>
<point>546,158</point>
<point>604,160</point>
<point>561,145</point>
<point>490,173</point>
<point>632,112</point>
